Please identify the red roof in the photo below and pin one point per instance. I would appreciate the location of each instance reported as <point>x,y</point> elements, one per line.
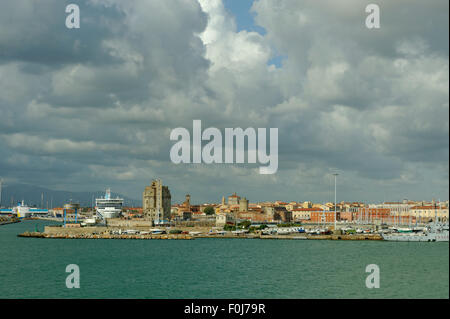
<point>428,207</point>
<point>315,209</point>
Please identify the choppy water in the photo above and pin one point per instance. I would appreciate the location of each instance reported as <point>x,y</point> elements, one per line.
<point>218,268</point>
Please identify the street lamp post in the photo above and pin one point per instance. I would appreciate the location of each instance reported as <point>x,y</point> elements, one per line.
<point>335,211</point>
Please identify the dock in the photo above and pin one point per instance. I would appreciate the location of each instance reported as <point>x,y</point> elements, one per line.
<point>9,221</point>
<point>104,236</point>
<point>190,237</point>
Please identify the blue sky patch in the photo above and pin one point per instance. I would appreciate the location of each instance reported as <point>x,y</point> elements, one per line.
<point>240,9</point>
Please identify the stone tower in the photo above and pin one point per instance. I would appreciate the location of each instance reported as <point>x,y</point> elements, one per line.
<point>187,203</point>
<point>243,205</point>
<point>156,202</point>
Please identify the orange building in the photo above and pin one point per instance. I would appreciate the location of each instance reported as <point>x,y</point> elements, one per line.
<point>374,214</point>
<point>304,214</point>
<point>324,216</point>
<point>368,214</point>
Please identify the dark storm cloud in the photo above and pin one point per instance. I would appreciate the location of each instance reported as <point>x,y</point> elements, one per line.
<point>94,107</point>
<point>33,31</point>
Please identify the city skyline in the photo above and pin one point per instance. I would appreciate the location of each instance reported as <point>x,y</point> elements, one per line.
<point>40,195</point>
<point>91,108</point>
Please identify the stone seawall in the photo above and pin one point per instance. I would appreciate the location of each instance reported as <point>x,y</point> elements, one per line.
<point>9,222</point>
<point>52,230</point>
<point>128,224</point>
<point>101,236</point>
<point>103,233</point>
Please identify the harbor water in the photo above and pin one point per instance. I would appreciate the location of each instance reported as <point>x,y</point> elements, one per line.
<point>218,268</point>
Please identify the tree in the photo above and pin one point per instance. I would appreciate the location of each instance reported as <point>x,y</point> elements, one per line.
<point>228,227</point>
<point>245,224</point>
<point>209,210</point>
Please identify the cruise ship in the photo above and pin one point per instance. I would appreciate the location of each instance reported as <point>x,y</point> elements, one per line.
<point>24,211</point>
<point>108,207</point>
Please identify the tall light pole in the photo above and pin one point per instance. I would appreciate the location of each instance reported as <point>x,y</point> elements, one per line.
<point>335,211</point>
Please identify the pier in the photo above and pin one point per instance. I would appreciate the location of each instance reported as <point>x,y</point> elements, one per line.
<point>6,221</point>
<point>102,236</point>
<point>106,235</point>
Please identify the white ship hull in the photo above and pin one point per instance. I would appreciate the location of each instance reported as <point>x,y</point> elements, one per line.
<point>109,213</point>
<point>108,207</point>
<point>426,238</point>
<point>436,233</point>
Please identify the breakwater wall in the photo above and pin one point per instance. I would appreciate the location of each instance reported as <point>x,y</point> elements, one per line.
<point>57,229</point>
<point>101,236</point>
<point>6,222</point>
<point>130,224</point>
<point>103,233</point>
<point>299,237</point>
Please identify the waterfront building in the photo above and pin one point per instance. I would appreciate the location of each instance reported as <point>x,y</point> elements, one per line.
<point>292,205</point>
<point>323,206</point>
<point>399,210</point>
<point>304,214</point>
<point>156,200</point>
<point>233,200</point>
<point>324,216</point>
<point>371,215</point>
<point>223,218</point>
<point>426,213</point>
<point>282,214</point>
<point>307,204</point>
<point>243,205</point>
<point>132,212</point>
<point>187,203</point>
<point>255,216</point>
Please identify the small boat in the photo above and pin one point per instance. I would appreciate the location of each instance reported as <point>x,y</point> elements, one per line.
<point>283,231</point>
<point>240,231</point>
<point>404,230</point>
<point>156,231</point>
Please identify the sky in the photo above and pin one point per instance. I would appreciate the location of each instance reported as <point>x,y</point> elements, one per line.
<point>90,108</point>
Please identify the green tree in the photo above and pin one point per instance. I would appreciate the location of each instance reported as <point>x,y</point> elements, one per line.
<point>245,224</point>
<point>209,210</point>
<point>228,227</point>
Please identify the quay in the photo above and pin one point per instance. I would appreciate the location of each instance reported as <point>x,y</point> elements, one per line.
<point>8,221</point>
<point>298,237</point>
<point>102,236</point>
<point>103,232</point>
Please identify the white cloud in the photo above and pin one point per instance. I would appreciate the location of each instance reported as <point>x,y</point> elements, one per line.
<point>374,105</point>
